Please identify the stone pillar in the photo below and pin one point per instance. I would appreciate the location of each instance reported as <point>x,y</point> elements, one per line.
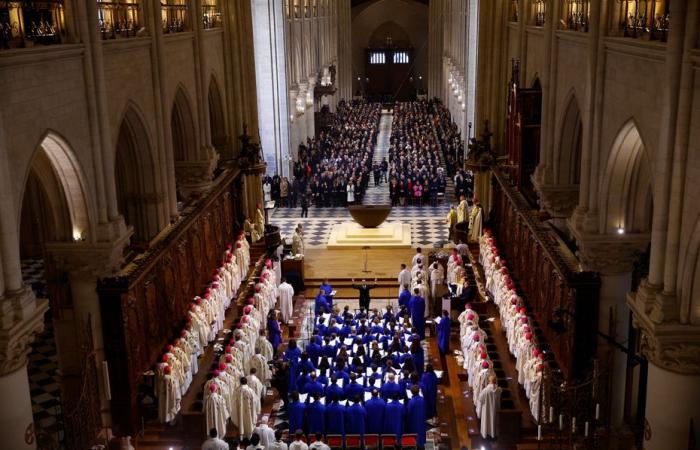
<point>195,177</point>
<point>85,263</point>
<point>16,420</point>
<point>310,122</point>
<point>613,256</point>
<point>252,180</point>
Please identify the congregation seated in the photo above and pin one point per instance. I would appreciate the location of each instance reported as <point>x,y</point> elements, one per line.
<point>335,166</point>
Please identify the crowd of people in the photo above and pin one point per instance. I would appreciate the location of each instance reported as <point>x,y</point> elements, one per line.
<point>333,168</point>
<point>522,343</point>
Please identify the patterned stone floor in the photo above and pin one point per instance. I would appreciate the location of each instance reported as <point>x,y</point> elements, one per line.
<point>379,195</point>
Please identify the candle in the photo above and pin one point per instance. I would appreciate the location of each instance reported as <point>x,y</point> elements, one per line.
<point>597,411</point>
<point>551,414</point>
<point>585,429</point>
<point>539,432</point>
<point>561,421</point>
<point>573,424</point>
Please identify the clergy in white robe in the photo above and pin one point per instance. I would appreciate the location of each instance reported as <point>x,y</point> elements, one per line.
<point>462,210</point>
<point>255,383</point>
<point>169,396</point>
<point>490,403</point>
<point>262,370</point>
<point>475,220</point>
<point>417,256</point>
<point>404,278</point>
<point>216,410</point>
<point>248,408</point>
<point>297,243</point>
<point>267,434</point>
<point>286,293</point>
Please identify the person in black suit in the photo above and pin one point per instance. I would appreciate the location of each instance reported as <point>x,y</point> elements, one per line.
<point>364,289</point>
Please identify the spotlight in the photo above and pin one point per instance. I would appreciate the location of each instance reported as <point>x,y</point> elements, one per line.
<point>620,230</point>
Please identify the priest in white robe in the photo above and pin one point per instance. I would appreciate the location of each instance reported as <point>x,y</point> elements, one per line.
<point>490,403</point>
<point>267,434</point>
<point>216,410</point>
<point>248,408</point>
<point>169,396</point>
<point>297,242</point>
<point>286,293</point>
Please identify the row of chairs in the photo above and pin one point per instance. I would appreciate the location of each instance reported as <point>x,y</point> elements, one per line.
<point>370,442</point>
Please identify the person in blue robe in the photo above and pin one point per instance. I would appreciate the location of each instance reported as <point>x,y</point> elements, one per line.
<point>296,412</point>
<point>418,356</point>
<point>355,417</point>
<point>321,304</point>
<point>443,333</point>
<point>313,349</point>
<point>415,416</point>
<point>333,390</point>
<point>322,327</point>
<point>274,334</point>
<point>335,417</point>
<point>313,387</point>
<point>353,389</point>
<point>390,388</point>
<point>404,298</point>
<point>316,415</point>
<point>293,353</point>
<point>417,308</point>
<point>375,407</point>
<point>327,288</point>
<point>302,379</point>
<point>429,382</point>
<point>394,414</point>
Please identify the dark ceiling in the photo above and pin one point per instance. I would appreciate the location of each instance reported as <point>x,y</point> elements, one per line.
<point>361,2</point>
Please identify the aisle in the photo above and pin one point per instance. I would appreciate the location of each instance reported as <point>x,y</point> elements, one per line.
<point>379,195</point>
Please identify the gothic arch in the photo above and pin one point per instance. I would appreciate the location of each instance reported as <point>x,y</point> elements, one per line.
<point>137,180</point>
<point>567,160</point>
<point>56,203</point>
<point>626,194</point>
<point>400,38</point>
<point>182,128</point>
<point>217,116</point>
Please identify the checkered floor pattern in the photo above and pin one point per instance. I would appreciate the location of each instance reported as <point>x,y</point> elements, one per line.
<point>379,195</point>
<point>42,365</point>
<point>427,223</point>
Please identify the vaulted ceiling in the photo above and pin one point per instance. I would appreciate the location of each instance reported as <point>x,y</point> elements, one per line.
<point>362,2</point>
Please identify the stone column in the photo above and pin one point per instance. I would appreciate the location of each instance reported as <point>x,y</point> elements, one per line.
<point>310,122</point>
<point>252,180</point>
<point>613,256</point>
<point>16,420</point>
<point>85,263</point>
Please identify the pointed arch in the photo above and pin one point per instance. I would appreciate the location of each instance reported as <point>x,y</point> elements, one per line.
<point>56,202</point>
<point>217,116</point>
<point>568,154</point>
<point>182,128</point>
<point>690,282</point>
<point>626,194</point>
<point>137,180</point>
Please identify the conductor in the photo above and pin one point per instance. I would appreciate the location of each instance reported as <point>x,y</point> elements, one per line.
<point>364,289</point>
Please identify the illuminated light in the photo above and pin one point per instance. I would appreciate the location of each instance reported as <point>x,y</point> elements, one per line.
<point>620,230</point>
<point>77,235</point>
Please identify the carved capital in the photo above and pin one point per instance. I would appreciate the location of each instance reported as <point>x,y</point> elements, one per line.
<point>196,176</point>
<point>670,344</point>
<point>609,254</point>
<point>91,260</point>
<point>17,336</point>
<point>559,200</point>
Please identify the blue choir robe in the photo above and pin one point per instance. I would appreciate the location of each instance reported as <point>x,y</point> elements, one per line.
<point>404,298</point>
<point>322,329</point>
<point>274,334</point>
<point>415,418</point>
<point>333,391</point>
<point>316,417</point>
<point>443,335</point>
<point>355,417</point>
<point>314,351</point>
<point>335,419</point>
<point>429,382</point>
<point>417,307</point>
<point>313,387</point>
<point>354,389</point>
<point>419,360</point>
<point>321,305</point>
<point>393,419</point>
<point>375,415</point>
<point>295,414</point>
<point>301,381</point>
<point>292,355</point>
<point>344,375</point>
<point>389,390</point>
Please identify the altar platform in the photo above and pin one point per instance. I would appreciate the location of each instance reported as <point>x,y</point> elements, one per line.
<point>353,235</point>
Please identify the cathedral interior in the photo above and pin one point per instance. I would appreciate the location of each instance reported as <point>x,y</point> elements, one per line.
<point>178,178</point>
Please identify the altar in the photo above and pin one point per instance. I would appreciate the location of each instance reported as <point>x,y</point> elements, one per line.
<point>354,235</point>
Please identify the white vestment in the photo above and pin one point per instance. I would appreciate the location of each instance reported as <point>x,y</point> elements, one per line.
<point>168,398</point>
<point>215,444</point>
<point>267,435</point>
<point>248,409</point>
<point>216,412</point>
<point>475,225</point>
<point>404,279</point>
<point>297,244</point>
<point>286,292</point>
<point>490,401</point>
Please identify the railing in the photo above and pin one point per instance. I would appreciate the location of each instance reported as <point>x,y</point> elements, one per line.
<point>23,23</point>
<point>576,15</point>
<point>211,14</point>
<point>174,16</point>
<point>644,19</point>
<point>118,19</point>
